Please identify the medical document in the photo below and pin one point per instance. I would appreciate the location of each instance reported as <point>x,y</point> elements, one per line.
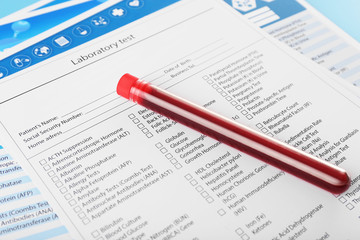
<point>111,169</point>
<point>22,206</point>
<point>301,27</point>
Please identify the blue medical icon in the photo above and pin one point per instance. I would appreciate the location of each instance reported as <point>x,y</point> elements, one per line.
<point>42,51</point>
<point>62,41</point>
<point>3,73</point>
<point>244,5</point>
<point>100,21</point>
<point>135,3</point>
<point>117,12</point>
<point>21,61</point>
<point>81,30</point>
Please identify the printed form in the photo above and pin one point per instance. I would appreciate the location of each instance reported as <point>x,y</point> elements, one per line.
<point>23,207</point>
<point>111,169</point>
<point>301,27</point>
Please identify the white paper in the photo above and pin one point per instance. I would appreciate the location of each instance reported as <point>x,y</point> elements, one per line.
<point>24,213</point>
<point>311,34</point>
<point>127,173</point>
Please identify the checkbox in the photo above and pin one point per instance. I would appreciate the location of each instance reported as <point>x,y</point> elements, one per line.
<point>239,231</point>
<point>95,234</point>
<point>244,112</point>
<point>173,161</point>
<point>68,196</point>
<point>249,116</point>
<point>188,177</point>
<point>342,200</point>
<point>228,98</point>
<point>72,202</point>
<point>205,77</point>
<point>199,188</point>
<point>77,209</point>
<point>140,126</point>
<point>149,135</point>
<point>63,190</point>
<point>238,107</point>
<point>223,94</point>
<point>168,155</point>
<point>233,103</point>
<point>259,125</point>
<point>42,162</point>
<point>264,130</point>
<point>204,194</point>
<point>136,120</point>
<point>55,179</point>
<point>221,212</point>
<point>131,116</point>
<point>81,215</point>
<point>270,134</point>
<point>209,199</point>
<point>215,86</point>
<point>158,145</point>
<point>350,206</point>
<point>51,173</point>
<point>219,90</point>
<point>59,184</point>
<point>210,81</point>
<point>193,182</point>
<point>163,150</point>
<point>245,237</point>
<point>178,166</point>
<point>85,221</point>
<point>47,167</point>
<point>145,130</point>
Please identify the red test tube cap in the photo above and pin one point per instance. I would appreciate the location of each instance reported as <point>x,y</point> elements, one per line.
<point>125,84</point>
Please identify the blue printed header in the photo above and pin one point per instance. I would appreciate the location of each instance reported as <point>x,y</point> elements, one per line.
<point>97,25</point>
<point>24,19</point>
<point>266,12</point>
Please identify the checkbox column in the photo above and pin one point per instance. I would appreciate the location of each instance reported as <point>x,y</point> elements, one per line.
<point>264,129</point>
<point>54,178</point>
<point>140,125</point>
<point>168,155</point>
<point>193,182</point>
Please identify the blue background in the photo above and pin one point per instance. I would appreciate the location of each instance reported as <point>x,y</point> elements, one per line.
<point>35,25</point>
<point>10,6</point>
<point>344,13</point>
<point>9,66</point>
